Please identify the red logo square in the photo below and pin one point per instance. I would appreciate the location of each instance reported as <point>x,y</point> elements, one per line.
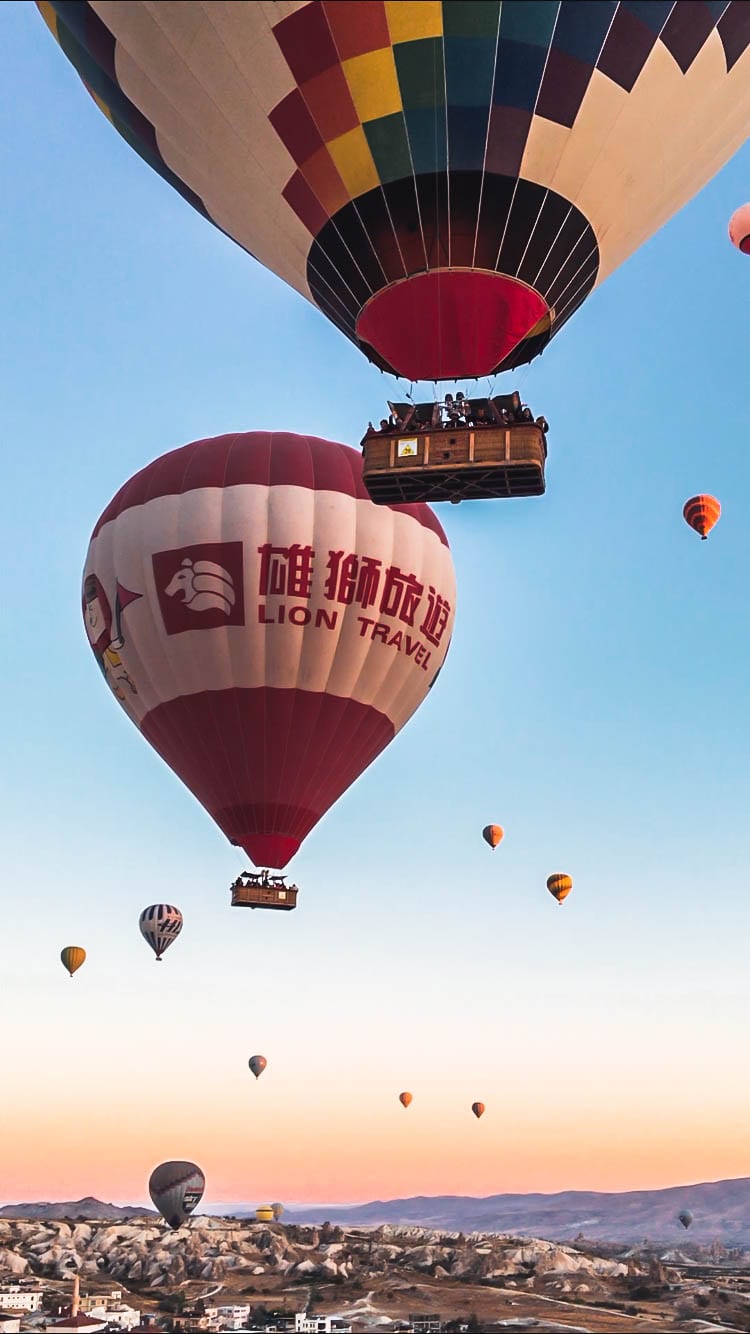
<point>200,587</point>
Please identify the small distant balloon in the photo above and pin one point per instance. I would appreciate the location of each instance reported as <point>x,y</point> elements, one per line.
<point>278,1210</point>
<point>685,1217</point>
<point>405,1099</point>
<point>160,925</point>
<point>739,228</point>
<point>257,1065</point>
<point>492,834</point>
<point>559,886</point>
<point>176,1188</point>
<point>478,1109</point>
<point>701,513</point>
<point>72,957</point>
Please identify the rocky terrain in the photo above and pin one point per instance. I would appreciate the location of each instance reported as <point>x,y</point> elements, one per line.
<point>380,1275</point>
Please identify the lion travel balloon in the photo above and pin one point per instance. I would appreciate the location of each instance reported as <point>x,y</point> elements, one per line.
<point>739,229</point>
<point>492,834</point>
<point>257,1065</point>
<point>702,513</point>
<point>478,1109</point>
<point>559,886</point>
<point>160,925</point>
<point>685,1217</point>
<point>176,1188</point>
<point>72,957</point>
<point>446,182</point>
<point>266,626</point>
<point>405,1099</point>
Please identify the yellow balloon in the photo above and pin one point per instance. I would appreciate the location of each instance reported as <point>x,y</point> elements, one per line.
<point>72,957</point>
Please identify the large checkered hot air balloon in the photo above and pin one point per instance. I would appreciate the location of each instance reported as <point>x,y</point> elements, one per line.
<point>266,626</point>
<point>446,181</point>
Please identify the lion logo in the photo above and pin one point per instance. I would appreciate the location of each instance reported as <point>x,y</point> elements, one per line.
<point>202,585</point>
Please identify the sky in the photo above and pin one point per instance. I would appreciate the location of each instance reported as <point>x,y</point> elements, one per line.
<point>594,703</point>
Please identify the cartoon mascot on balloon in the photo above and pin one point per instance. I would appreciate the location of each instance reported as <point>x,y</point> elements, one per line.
<point>99,628</point>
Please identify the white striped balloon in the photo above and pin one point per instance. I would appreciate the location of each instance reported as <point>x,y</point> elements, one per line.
<point>160,925</point>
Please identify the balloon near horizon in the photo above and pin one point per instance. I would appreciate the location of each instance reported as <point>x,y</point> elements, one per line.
<point>266,626</point>
<point>176,1189</point>
<point>448,212</point>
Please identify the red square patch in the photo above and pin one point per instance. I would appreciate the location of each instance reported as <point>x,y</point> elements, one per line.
<point>200,587</point>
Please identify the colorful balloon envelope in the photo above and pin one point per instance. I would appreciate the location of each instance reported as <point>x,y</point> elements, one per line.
<point>559,886</point>
<point>72,957</point>
<point>176,1188</point>
<point>702,513</point>
<point>266,626</point>
<point>278,1210</point>
<point>493,834</point>
<point>478,1109</point>
<point>685,1217</point>
<point>446,182</point>
<point>257,1065</point>
<point>160,925</point>
<point>405,1099</point>
<point>739,229</point>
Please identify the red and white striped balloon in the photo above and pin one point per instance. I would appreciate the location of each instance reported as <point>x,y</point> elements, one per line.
<point>266,626</point>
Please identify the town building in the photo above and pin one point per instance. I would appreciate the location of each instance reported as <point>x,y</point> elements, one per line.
<point>320,1324</point>
<point>9,1324</point>
<point>426,1324</point>
<point>234,1317</point>
<point>20,1297</point>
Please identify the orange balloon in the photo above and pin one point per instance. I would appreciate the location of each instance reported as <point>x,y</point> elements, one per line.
<point>701,513</point>
<point>559,886</point>
<point>72,957</point>
<point>739,228</point>
<point>493,834</point>
<point>405,1099</point>
<point>478,1109</point>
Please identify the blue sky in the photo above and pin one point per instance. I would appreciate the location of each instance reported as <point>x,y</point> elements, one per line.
<point>594,703</point>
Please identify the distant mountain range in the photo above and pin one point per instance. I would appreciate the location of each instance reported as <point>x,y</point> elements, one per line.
<point>721,1209</point>
<point>87,1208</point>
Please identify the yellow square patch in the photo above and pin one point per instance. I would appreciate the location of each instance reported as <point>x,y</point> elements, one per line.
<point>408,20</point>
<point>351,153</point>
<point>373,84</point>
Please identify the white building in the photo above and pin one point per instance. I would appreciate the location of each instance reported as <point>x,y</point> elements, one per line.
<point>116,1313</point>
<point>10,1324</point>
<point>320,1324</point>
<point>14,1297</point>
<point>233,1317</point>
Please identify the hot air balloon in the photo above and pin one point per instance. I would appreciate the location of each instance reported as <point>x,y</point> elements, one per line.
<point>478,1109</point>
<point>446,182</point>
<point>160,925</point>
<point>257,1065</point>
<point>264,1213</point>
<point>176,1188</point>
<point>739,229</point>
<point>278,1210</point>
<point>559,886</point>
<point>685,1217</point>
<point>405,1099</point>
<point>492,834</point>
<point>72,957</point>
<point>272,627</point>
<point>701,513</point>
